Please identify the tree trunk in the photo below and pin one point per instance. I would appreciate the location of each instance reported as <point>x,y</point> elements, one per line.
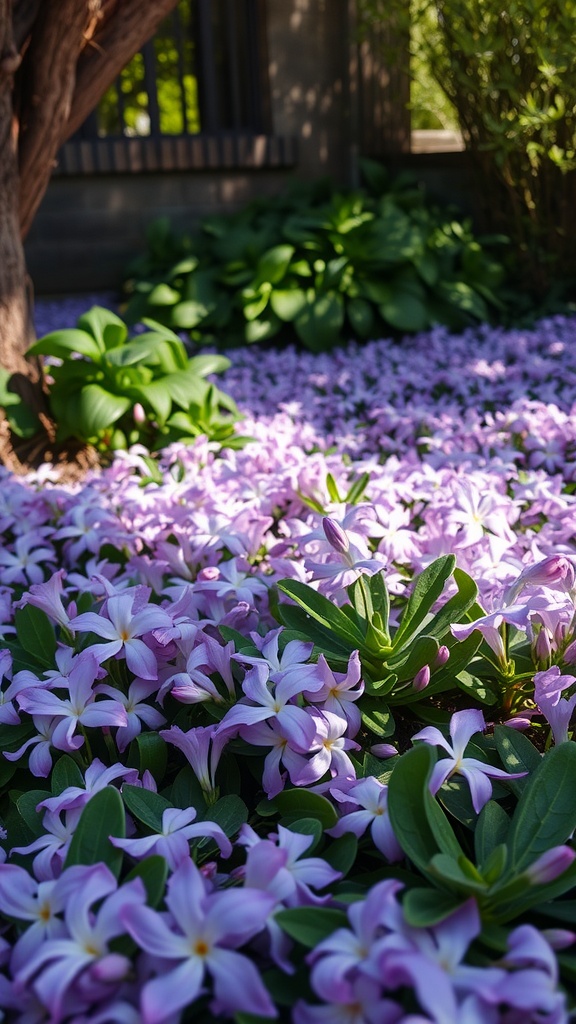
<point>15,320</point>
<point>72,51</point>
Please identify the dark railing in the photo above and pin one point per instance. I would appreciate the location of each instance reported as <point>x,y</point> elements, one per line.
<point>195,96</point>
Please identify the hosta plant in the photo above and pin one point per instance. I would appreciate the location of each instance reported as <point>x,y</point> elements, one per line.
<point>112,390</point>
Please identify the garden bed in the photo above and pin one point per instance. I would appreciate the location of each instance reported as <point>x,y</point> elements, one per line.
<point>318,807</point>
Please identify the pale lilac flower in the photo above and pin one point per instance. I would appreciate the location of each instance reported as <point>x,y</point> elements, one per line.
<point>57,963</point>
<point>372,796</point>
<point>173,842</point>
<point>48,597</point>
<point>550,865</point>
<point>40,759</point>
<point>194,685</point>
<point>202,747</point>
<point>96,777</point>
<point>361,1003</point>
<point>266,702</point>
<point>339,690</point>
<point>81,708</point>
<point>328,749</point>
<point>557,710</point>
<point>137,711</point>
<point>24,564</point>
<point>122,629</point>
<point>556,572</point>
<point>294,880</point>
<point>52,847</point>
<point>268,734</point>
<point>463,725</point>
<point>201,935</point>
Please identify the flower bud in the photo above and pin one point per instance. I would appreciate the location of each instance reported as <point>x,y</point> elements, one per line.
<point>112,967</point>
<point>558,938</point>
<point>383,750</point>
<point>542,649</point>
<point>550,865</point>
<point>556,571</point>
<point>569,656</point>
<point>335,535</point>
<point>442,657</point>
<point>422,678</point>
<point>209,572</point>
<point>139,414</point>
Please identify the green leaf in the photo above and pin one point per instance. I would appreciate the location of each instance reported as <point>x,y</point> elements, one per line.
<point>260,330</point>
<point>103,816</point>
<point>63,344</point>
<point>98,409</point>
<point>27,804</point>
<point>310,925</point>
<point>424,908</point>
<point>418,822</point>
<point>546,812</point>
<point>491,831</point>
<point>517,754</point>
<point>204,365</point>
<point>454,609</point>
<point>36,634</point>
<point>273,264</point>
<point>320,322</point>
<point>230,812</point>
<point>66,773</point>
<point>427,589</point>
<point>321,609</point>
<point>361,316</point>
<point>296,803</point>
<point>152,754</point>
<point>405,312</point>
<point>341,854</point>
<point>107,329</point>
<point>153,871</point>
<point>288,303</point>
<point>163,295</point>
<point>145,805</point>
<point>460,295</point>
<point>448,870</point>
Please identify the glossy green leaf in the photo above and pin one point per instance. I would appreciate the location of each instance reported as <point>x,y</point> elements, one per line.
<point>273,264</point>
<point>66,773</point>
<point>27,804</point>
<point>230,812</point>
<point>427,589</point>
<point>102,817</point>
<point>310,925</point>
<point>321,609</point>
<point>491,830</point>
<point>297,803</point>
<point>145,805</point>
<point>517,754</point>
<point>63,344</point>
<point>98,409</point>
<point>319,324</point>
<point>36,634</point>
<point>107,329</point>
<point>424,908</point>
<point>546,812</point>
<point>153,871</point>
<point>341,853</point>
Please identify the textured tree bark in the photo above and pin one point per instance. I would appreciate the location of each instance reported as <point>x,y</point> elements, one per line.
<point>57,57</point>
<point>14,306</point>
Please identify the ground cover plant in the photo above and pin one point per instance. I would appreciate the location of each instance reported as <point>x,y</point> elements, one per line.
<point>286,729</point>
<point>322,264</point>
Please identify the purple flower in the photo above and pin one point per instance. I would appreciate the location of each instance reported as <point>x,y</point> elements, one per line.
<point>173,842</point>
<point>463,725</point>
<point>122,629</point>
<point>295,723</point>
<point>56,964</point>
<point>202,747</point>
<point>81,708</point>
<point>328,750</point>
<point>201,934</point>
<point>372,796</point>
<point>557,710</point>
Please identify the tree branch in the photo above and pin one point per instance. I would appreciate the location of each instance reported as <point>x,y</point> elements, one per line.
<point>122,31</point>
<point>47,80</point>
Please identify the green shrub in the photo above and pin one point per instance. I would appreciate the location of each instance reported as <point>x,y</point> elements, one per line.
<point>111,390</point>
<point>509,73</point>
<point>320,264</point>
